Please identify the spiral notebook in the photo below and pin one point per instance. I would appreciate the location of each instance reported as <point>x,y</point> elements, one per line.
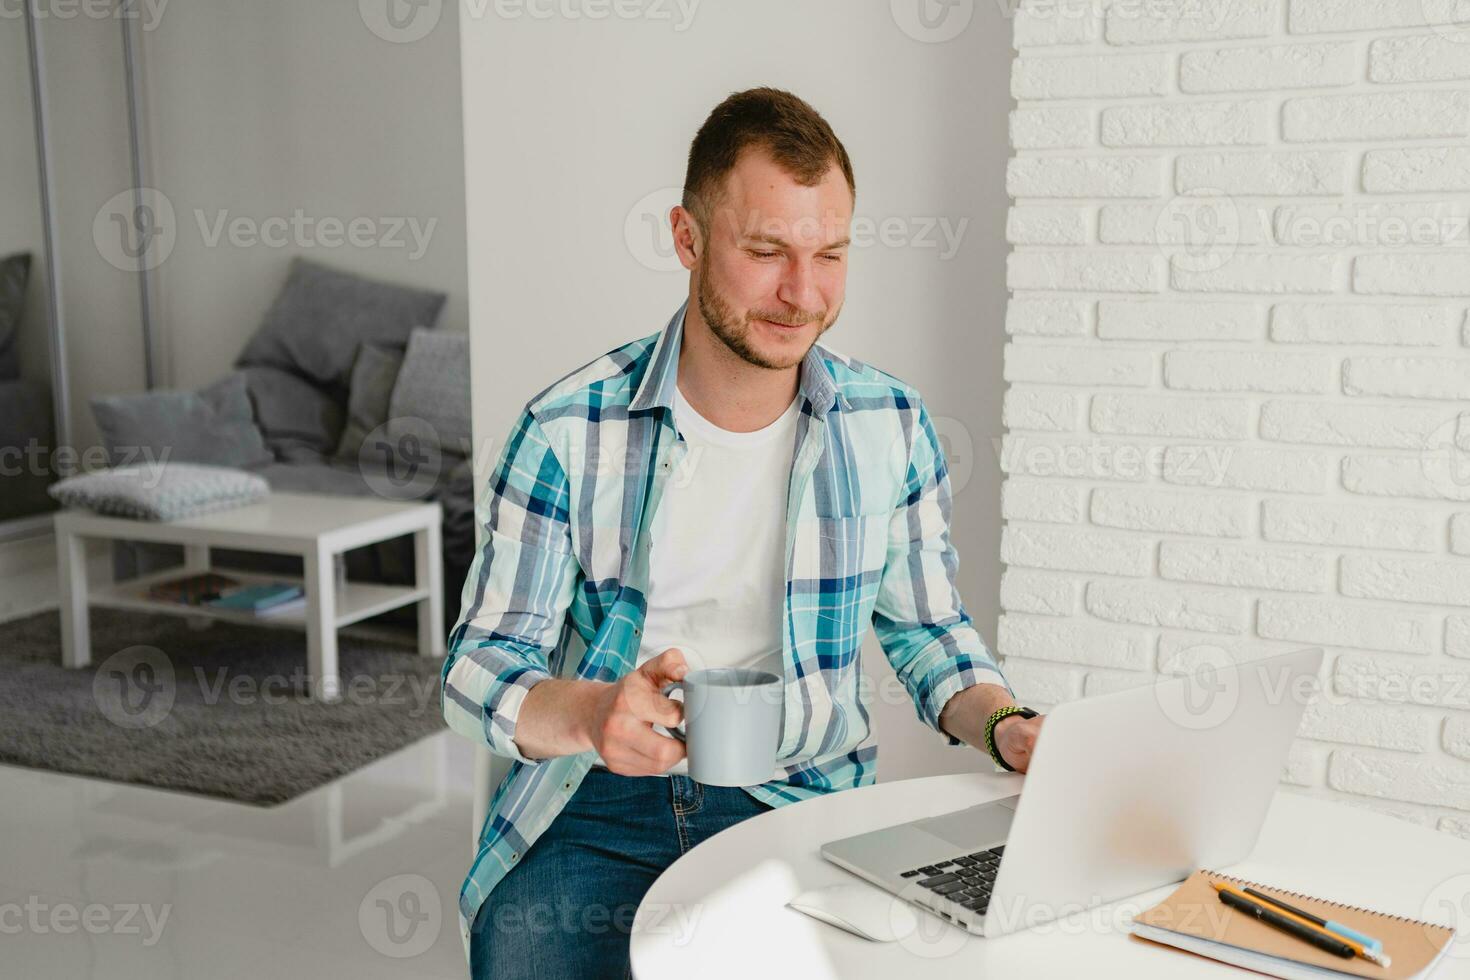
<point>1193,918</point>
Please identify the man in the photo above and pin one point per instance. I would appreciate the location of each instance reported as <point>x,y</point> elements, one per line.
<point>724,492</point>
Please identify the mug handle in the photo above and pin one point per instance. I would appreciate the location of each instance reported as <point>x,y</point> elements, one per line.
<point>678,730</point>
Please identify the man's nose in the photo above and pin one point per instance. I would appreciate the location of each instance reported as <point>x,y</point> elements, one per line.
<point>799,286</point>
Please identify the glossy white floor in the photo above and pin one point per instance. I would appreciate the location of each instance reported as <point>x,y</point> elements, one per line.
<point>355,879</point>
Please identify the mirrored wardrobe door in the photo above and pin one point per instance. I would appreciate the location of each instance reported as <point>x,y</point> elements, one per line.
<point>71,320</point>
<point>28,419</point>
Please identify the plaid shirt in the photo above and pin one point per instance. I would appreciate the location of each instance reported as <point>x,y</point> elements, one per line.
<point>557,588</point>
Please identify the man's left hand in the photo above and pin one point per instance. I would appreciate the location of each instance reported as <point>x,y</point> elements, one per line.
<point>1015,739</point>
<point>965,714</point>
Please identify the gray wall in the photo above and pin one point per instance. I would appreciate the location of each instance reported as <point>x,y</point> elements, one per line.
<point>257,111</point>
<point>601,117</point>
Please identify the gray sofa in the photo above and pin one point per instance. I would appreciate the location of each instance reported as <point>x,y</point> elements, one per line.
<point>342,390</point>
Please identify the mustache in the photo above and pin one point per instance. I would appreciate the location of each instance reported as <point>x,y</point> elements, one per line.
<point>788,320</point>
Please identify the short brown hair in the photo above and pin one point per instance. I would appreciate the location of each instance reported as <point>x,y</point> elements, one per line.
<point>791,131</point>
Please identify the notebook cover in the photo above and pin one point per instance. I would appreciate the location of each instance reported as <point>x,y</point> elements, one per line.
<point>1194,909</point>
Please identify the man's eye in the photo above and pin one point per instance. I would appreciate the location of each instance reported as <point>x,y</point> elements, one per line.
<point>763,255</point>
<point>833,257</point>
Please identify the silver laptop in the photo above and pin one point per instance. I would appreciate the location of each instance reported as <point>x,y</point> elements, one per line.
<point>1126,792</point>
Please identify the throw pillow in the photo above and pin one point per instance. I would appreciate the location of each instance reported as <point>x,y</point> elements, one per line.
<point>213,425</point>
<point>432,394</point>
<point>151,492</point>
<point>373,376</point>
<point>297,418</point>
<point>321,316</point>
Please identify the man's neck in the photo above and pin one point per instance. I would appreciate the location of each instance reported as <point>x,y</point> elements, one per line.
<point>725,388</point>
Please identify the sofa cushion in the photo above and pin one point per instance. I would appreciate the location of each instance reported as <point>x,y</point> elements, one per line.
<point>297,418</point>
<point>214,425</point>
<point>160,493</point>
<point>15,272</point>
<point>322,314</point>
<point>432,394</point>
<point>373,376</point>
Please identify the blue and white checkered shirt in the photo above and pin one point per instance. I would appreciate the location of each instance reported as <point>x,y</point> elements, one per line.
<point>558,586</point>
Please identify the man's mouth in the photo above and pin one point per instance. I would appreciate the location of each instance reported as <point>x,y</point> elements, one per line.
<point>789,327</point>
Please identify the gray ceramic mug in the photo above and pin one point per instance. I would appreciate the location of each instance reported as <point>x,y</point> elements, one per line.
<point>732,724</point>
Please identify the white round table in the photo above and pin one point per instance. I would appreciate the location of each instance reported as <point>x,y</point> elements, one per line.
<point>720,910</point>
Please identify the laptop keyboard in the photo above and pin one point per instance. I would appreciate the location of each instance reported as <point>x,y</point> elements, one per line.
<point>965,880</point>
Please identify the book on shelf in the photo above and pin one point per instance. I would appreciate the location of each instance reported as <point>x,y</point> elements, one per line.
<point>261,598</point>
<point>290,605</point>
<point>193,590</point>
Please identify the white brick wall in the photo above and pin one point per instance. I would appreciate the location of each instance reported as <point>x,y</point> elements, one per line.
<point>1239,367</point>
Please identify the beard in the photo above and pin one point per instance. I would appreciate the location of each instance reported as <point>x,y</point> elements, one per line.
<point>735,333</point>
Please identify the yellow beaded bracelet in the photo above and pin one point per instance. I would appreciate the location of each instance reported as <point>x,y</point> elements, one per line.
<point>992,721</point>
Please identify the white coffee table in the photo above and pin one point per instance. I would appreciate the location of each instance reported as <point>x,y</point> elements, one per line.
<point>318,527</point>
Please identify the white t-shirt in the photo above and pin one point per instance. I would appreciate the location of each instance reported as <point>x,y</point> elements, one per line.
<point>717,547</point>
<point>717,564</point>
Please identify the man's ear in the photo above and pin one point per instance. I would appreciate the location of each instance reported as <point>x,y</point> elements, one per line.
<point>688,242</point>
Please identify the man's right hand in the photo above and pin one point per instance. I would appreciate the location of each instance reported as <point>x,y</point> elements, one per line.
<point>565,716</point>
<point>622,718</point>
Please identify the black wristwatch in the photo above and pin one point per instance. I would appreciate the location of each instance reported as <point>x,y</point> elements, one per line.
<point>995,719</point>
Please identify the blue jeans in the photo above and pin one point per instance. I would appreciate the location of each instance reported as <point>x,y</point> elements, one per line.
<point>566,910</point>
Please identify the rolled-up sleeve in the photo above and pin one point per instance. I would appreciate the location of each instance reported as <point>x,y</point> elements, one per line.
<point>516,595</point>
<point>918,617</point>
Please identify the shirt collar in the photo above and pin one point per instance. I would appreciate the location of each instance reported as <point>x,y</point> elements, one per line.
<point>660,380</point>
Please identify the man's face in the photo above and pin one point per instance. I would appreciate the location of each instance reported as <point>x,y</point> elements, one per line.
<point>773,270</point>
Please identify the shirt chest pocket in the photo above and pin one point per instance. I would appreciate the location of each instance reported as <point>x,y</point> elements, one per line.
<point>843,552</point>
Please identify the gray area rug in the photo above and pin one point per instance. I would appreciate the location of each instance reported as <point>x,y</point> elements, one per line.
<point>222,712</point>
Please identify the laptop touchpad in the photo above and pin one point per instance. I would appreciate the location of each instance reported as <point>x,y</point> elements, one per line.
<point>978,826</point>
